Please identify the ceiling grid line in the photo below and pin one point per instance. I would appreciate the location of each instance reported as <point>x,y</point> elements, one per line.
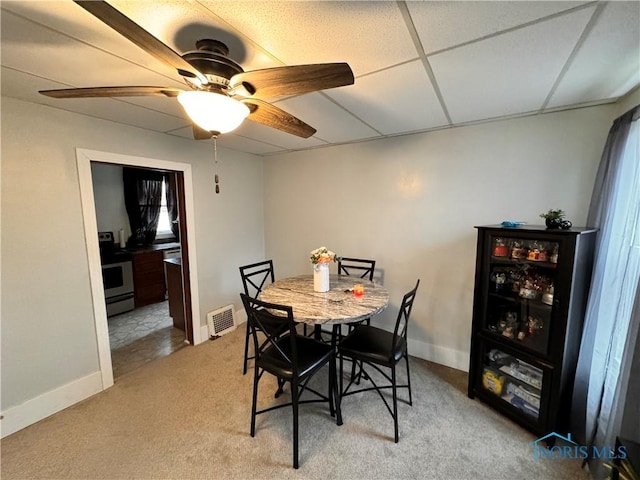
<point>585,32</point>
<point>406,15</point>
<point>511,29</point>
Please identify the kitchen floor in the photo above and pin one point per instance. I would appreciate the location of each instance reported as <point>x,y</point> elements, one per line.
<point>141,336</point>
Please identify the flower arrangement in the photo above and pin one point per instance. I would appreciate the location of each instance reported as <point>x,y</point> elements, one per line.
<point>323,255</point>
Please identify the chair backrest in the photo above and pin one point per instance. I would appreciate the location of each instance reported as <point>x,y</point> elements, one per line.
<point>403,315</point>
<point>256,276</point>
<point>270,319</point>
<point>357,267</point>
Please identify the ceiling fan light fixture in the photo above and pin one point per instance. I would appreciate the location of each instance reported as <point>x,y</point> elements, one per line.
<point>212,111</point>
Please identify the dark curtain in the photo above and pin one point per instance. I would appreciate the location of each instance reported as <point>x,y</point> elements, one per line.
<point>142,198</point>
<point>172,204</point>
<point>604,374</point>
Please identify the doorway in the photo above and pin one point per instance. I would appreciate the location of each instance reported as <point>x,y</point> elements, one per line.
<point>144,323</point>
<point>187,243</point>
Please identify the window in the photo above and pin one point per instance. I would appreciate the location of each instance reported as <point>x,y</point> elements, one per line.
<point>164,223</point>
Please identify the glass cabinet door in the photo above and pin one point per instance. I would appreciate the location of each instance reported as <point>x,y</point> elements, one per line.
<point>522,273</point>
<point>513,380</point>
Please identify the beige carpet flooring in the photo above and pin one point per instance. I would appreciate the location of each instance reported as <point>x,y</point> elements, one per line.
<point>186,416</point>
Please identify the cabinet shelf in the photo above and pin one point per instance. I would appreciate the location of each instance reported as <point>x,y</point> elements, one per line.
<point>524,351</point>
<point>515,298</point>
<point>522,261</point>
<point>532,343</point>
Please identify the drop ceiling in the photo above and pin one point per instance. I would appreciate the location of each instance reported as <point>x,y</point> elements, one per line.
<point>418,66</point>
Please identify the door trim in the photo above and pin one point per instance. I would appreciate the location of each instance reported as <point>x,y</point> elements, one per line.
<point>84,158</point>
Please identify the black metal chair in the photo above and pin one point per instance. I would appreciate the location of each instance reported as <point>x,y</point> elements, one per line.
<point>357,267</point>
<point>290,358</point>
<point>254,278</point>
<point>378,349</point>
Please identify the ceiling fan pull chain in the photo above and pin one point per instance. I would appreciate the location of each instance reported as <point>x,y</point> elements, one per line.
<point>215,156</point>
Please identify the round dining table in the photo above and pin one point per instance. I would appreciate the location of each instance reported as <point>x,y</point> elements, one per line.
<point>337,306</point>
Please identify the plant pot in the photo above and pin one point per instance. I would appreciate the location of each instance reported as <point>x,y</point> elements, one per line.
<point>321,277</point>
<point>553,223</point>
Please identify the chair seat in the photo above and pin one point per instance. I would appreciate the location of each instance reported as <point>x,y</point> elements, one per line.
<point>312,354</point>
<point>373,344</point>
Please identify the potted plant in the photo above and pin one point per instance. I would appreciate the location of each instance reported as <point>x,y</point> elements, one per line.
<point>555,219</point>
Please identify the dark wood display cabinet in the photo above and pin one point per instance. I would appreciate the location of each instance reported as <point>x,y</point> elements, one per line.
<point>530,297</point>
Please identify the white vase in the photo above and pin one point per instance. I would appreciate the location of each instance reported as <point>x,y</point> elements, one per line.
<point>321,277</point>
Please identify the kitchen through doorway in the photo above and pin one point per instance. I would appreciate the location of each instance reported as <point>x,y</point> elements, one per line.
<point>188,298</point>
<point>135,273</point>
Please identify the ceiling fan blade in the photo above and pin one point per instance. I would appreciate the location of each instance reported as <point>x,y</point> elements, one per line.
<point>293,80</point>
<point>201,133</point>
<point>272,116</point>
<point>112,92</point>
<point>138,35</point>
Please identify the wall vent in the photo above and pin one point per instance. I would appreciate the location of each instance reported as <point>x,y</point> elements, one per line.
<point>221,321</point>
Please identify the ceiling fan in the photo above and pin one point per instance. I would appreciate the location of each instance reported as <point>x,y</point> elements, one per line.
<point>221,93</point>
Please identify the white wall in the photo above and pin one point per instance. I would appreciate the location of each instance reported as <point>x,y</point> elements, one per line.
<point>631,100</point>
<point>108,192</point>
<point>48,334</point>
<point>411,203</point>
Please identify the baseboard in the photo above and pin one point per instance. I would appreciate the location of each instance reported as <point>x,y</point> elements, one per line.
<point>241,316</point>
<point>444,356</point>
<point>21,416</point>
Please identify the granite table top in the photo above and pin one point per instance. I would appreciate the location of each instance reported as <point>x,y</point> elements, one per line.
<point>336,306</point>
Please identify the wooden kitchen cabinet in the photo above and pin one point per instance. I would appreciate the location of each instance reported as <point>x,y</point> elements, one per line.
<point>174,291</point>
<point>529,304</point>
<point>148,278</point>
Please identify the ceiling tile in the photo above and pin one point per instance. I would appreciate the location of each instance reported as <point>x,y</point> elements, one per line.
<point>73,22</point>
<point>275,137</point>
<point>32,48</point>
<point>510,73</point>
<point>25,87</point>
<point>232,142</point>
<point>367,35</point>
<point>333,123</point>
<point>610,51</point>
<point>397,100</point>
<point>443,25</point>
<point>180,24</point>
<point>244,144</point>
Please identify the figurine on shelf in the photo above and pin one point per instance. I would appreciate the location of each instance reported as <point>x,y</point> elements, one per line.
<point>500,249</point>
<point>542,256</point>
<point>509,325</point>
<point>534,251</point>
<point>528,290</point>
<point>499,278</point>
<point>515,276</point>
<point>517,251</point>
<point>547,296</point>
<point>553,258</point>
<point>534,324</point>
